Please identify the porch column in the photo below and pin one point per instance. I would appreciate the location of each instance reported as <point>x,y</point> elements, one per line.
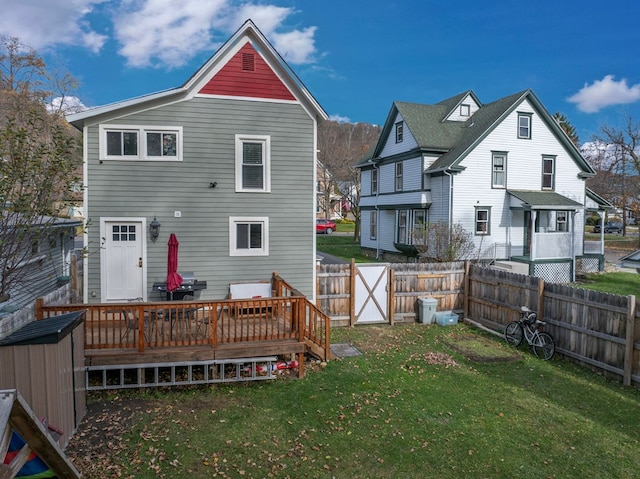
<point>601,216</point>
<point>534,218</point>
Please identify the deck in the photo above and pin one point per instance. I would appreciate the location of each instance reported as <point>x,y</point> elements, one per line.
<point>137,332</point>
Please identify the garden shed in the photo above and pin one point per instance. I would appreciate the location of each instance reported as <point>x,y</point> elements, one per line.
<point>44,361</point>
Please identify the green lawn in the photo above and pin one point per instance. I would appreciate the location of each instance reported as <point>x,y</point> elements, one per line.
<point>414,405</point>
<point>342,245</point>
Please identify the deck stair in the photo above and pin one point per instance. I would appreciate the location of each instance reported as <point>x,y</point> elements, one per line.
<point>125,376</point>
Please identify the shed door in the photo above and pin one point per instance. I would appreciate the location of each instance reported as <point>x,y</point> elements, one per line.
<point>123,265</point>
<point>371,298</point>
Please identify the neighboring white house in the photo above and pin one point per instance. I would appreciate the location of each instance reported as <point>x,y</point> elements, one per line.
<point>504,171</point>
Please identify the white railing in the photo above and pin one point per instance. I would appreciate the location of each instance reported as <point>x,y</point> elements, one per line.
<point>552,245</point>
<point>593,247</point>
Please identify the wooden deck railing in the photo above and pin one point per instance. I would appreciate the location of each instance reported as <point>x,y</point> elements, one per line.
<point>137,325</point>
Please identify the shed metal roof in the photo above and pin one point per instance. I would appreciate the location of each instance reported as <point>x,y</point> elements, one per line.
<point>45,331</point>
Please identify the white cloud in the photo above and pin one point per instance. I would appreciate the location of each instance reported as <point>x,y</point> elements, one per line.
<point>340,119</point>
<point>44,23</point>
<point>152,32</point>
<point>606,92</point>
<point>67,105</point>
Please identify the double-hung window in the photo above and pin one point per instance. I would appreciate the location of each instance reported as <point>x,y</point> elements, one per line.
<point>253,163</point>
<point>373,224</point>
<point>561,221</point>
<point>248,236</point>
<point>128,142</point>
<point>401,233</point>
<point>499,169</point>
<point>374,181</point>
<point>399,176</point>
<point>399,132</point>
<point>524,125</point>
<point>548,172</point>
<point>483,220</point>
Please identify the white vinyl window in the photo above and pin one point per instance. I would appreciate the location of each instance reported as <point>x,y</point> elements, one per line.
<point>499,170</point>
<point>483,221</point>
<point>561,221</point>
<point>524,125</point>
<point>465,110</point>
<point>399,132</point>
<point>253,155</point>
<point>373,225</point>
<point>127,142</point>
<point>399,176</point>
<point>548,172</point>
<point>248,236</point>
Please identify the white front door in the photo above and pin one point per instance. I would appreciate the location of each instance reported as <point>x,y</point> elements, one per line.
<point>123,260</point>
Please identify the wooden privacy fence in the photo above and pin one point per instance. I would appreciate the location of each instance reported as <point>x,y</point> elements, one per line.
<point>598,329</point>
<point>407,282</point>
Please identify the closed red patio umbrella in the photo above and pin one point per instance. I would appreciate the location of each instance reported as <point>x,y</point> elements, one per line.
<point>174,280</point>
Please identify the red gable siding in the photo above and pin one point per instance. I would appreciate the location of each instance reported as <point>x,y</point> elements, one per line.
<point>248,76</point>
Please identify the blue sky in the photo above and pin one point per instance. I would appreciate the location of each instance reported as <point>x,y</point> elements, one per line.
<point>356,56</point>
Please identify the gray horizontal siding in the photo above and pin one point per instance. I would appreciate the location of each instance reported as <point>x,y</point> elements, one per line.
<point>148,189</point>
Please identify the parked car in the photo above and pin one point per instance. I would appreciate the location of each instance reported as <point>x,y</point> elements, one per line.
<point>609,227</point>
<point>325,226</point>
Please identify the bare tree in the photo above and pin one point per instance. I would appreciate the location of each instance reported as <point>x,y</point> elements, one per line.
<point>341,146</point>
<point>617,163</point>
<point>39,161</point>
<point>440,242</point>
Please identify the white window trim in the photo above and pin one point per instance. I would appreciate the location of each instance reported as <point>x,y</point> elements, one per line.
<point>528,116</point>
<point>477,231</point>
<point>266,150</point>
<point>465,110</point>
<point>142,131</point>
<point>234,221</point>
<point>494,155</point>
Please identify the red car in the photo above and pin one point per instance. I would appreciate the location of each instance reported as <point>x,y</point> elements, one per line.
<point>325,226</point>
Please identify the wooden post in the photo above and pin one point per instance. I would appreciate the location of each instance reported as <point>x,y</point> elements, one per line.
<point>465,293</point>
<point>540,309</point>
<point>392,296</point>
<point>352,298</point>
<point>39,305</point>
<point>75,291</point>
<point>629,340</point>
<point>138,313</point>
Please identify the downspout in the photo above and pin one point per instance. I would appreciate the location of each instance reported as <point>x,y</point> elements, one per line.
<point>573,246</point>
<point>450,200</point>
<point>375,167</point>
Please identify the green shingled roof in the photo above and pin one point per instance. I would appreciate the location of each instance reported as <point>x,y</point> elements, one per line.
<point>455,139</point>
<point>544,200</point>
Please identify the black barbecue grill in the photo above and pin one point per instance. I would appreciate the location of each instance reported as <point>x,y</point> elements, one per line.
<point>188,286</point>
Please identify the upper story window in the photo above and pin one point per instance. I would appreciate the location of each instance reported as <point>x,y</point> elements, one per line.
<point>524,125</point>
<point>499,170</point>
<point>248,236</point>
<point>253,163</point>
<point>162,143</point>
<point>399,132</point>
<point>548,172</point>
<point>374,181</point>
<point>483,220</point>
<point>465,110</point>
<point>398,176</point>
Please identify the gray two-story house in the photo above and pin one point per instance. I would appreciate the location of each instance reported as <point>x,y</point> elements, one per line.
<point>226,162</point>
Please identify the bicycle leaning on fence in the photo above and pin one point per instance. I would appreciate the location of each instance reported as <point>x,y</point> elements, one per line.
<point>528,327</point>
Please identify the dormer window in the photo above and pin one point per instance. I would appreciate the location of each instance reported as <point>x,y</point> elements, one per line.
<point>465,110</point>
<point>399,131</point>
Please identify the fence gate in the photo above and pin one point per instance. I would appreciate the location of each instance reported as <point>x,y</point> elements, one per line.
<point>371,293</point>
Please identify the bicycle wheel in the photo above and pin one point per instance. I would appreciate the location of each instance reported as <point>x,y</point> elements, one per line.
<point>544,346</point>
<point>513,333</point>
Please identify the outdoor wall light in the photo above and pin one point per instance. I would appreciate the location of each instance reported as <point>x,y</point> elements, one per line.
<point>154,228</point>
<point>213,184</point>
